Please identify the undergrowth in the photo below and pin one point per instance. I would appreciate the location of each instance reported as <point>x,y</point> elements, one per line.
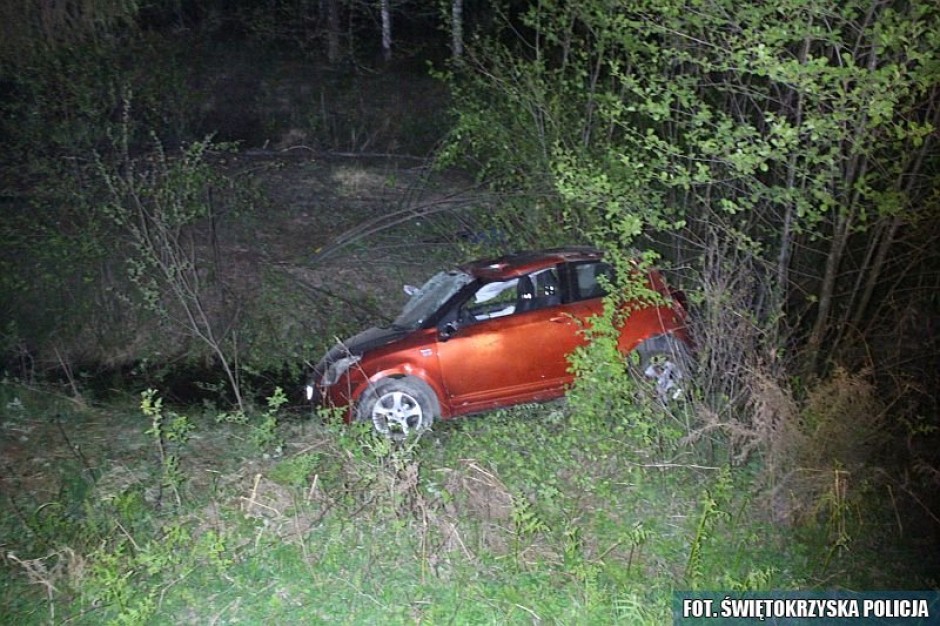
<point>533,514</point>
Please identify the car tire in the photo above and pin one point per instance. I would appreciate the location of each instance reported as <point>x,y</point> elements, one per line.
<point>398,407</point>
<point>664,367</point>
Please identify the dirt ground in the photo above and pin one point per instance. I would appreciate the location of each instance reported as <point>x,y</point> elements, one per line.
<point>381,211</point>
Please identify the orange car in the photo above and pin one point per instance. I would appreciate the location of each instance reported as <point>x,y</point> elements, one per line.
<point>491,334</point>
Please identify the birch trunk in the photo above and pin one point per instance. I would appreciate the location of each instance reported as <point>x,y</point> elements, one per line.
<point>333,29</point>
<point>386,29</point>
<point>456,28</point>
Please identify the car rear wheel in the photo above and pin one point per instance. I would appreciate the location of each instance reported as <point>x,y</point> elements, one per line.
<point>398,407</point>
<point>664,364</point>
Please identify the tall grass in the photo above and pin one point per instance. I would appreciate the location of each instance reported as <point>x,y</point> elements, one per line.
<point>535,514</point>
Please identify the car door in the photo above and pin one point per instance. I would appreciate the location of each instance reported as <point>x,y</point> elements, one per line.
<point>641,317</point>
<point>510,345</point>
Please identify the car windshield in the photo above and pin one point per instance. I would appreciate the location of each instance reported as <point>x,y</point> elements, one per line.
<point>429,298</point>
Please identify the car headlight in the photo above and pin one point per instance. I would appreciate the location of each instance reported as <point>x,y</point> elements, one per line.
<point>337,368</point>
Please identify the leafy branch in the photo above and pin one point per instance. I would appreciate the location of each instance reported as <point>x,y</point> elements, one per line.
<point>159,204</point>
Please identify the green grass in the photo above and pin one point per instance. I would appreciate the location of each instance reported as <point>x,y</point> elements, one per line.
<point>530,515</point>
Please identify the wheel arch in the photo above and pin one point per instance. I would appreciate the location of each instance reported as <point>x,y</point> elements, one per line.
<point>434,394</point>
<point>649,324</point>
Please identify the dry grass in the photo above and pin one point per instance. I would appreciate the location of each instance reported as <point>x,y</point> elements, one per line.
<point>844,419</point>
<point>816,445</point>
<point>829,446</point>
<point>481,500</point>
<point>62,569</point>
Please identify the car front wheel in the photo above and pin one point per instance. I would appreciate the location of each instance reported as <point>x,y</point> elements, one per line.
<point>398,407</point>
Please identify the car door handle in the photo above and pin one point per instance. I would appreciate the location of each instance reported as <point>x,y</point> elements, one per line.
<point>560,319</point>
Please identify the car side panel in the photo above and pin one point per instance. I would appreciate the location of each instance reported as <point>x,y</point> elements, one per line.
<point>643,323</point>
<point>519,358</point>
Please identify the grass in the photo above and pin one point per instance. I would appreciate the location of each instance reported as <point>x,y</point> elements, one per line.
<point>528,515</point>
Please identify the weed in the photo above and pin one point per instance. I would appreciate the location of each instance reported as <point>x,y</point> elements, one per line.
<point>170,431</point>
<point>526,513</point>
<point>264,432</point>
<point>156,202</point>
<point>295,471</point>
<point>526,524</point>
<point>694,572</point>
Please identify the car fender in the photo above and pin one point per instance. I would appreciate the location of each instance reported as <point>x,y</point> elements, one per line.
<point>401,370</point>
<point>644,323</point>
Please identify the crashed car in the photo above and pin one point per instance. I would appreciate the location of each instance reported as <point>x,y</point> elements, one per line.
<point>495,333</point>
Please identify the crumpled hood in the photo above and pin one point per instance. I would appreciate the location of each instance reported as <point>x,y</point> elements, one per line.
<point>359,344</point>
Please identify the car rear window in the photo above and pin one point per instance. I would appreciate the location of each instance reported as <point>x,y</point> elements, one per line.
<point>590,279</point>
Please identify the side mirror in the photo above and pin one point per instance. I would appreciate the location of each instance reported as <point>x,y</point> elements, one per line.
<point>411,290</point>
<point>447,331</point>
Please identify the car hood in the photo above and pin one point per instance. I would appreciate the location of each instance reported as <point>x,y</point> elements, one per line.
<point>359,344</point>
<point>370,339</point>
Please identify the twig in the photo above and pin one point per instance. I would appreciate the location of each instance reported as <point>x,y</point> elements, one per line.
<point>69,375</point>
<point>313,487</point>
<point>679,465</point>
<point>76,450</point>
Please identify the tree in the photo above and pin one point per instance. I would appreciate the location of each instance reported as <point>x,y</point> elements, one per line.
<point>456,28</point>
<point>160,206</point>
<point>386,13</point>
<point>26,25</point>
<point>802,133</point>
<point>333,31</point>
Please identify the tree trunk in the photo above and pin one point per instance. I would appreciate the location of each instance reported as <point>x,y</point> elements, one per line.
<point>856,166</point>
<point>332,31</point>
<point>911,174</point>
<point>456,29</point>
<point>786,237</point>
<point>386,30</point>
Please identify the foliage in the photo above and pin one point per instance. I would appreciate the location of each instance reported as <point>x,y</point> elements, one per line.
<point>48,296</point>
<point>264,432</point>
<point>68,71</point>
<point>531,511</point>
<point>67,99</point>
<point>28,26</point>
<point>169,431</point>
<point>781,155</point>
<point>157,203</point>
<point>711,512</point>
<point>761,147</point>
<point>782,131</point>
<point>107,545</point>
<point>605,392</point>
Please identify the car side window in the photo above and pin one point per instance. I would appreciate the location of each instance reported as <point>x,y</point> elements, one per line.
<point>492,300</point>
<point>589,279</point>
<point>516,295</point>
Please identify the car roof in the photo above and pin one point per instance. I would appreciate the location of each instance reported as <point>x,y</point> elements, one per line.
<point>518,263</point>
